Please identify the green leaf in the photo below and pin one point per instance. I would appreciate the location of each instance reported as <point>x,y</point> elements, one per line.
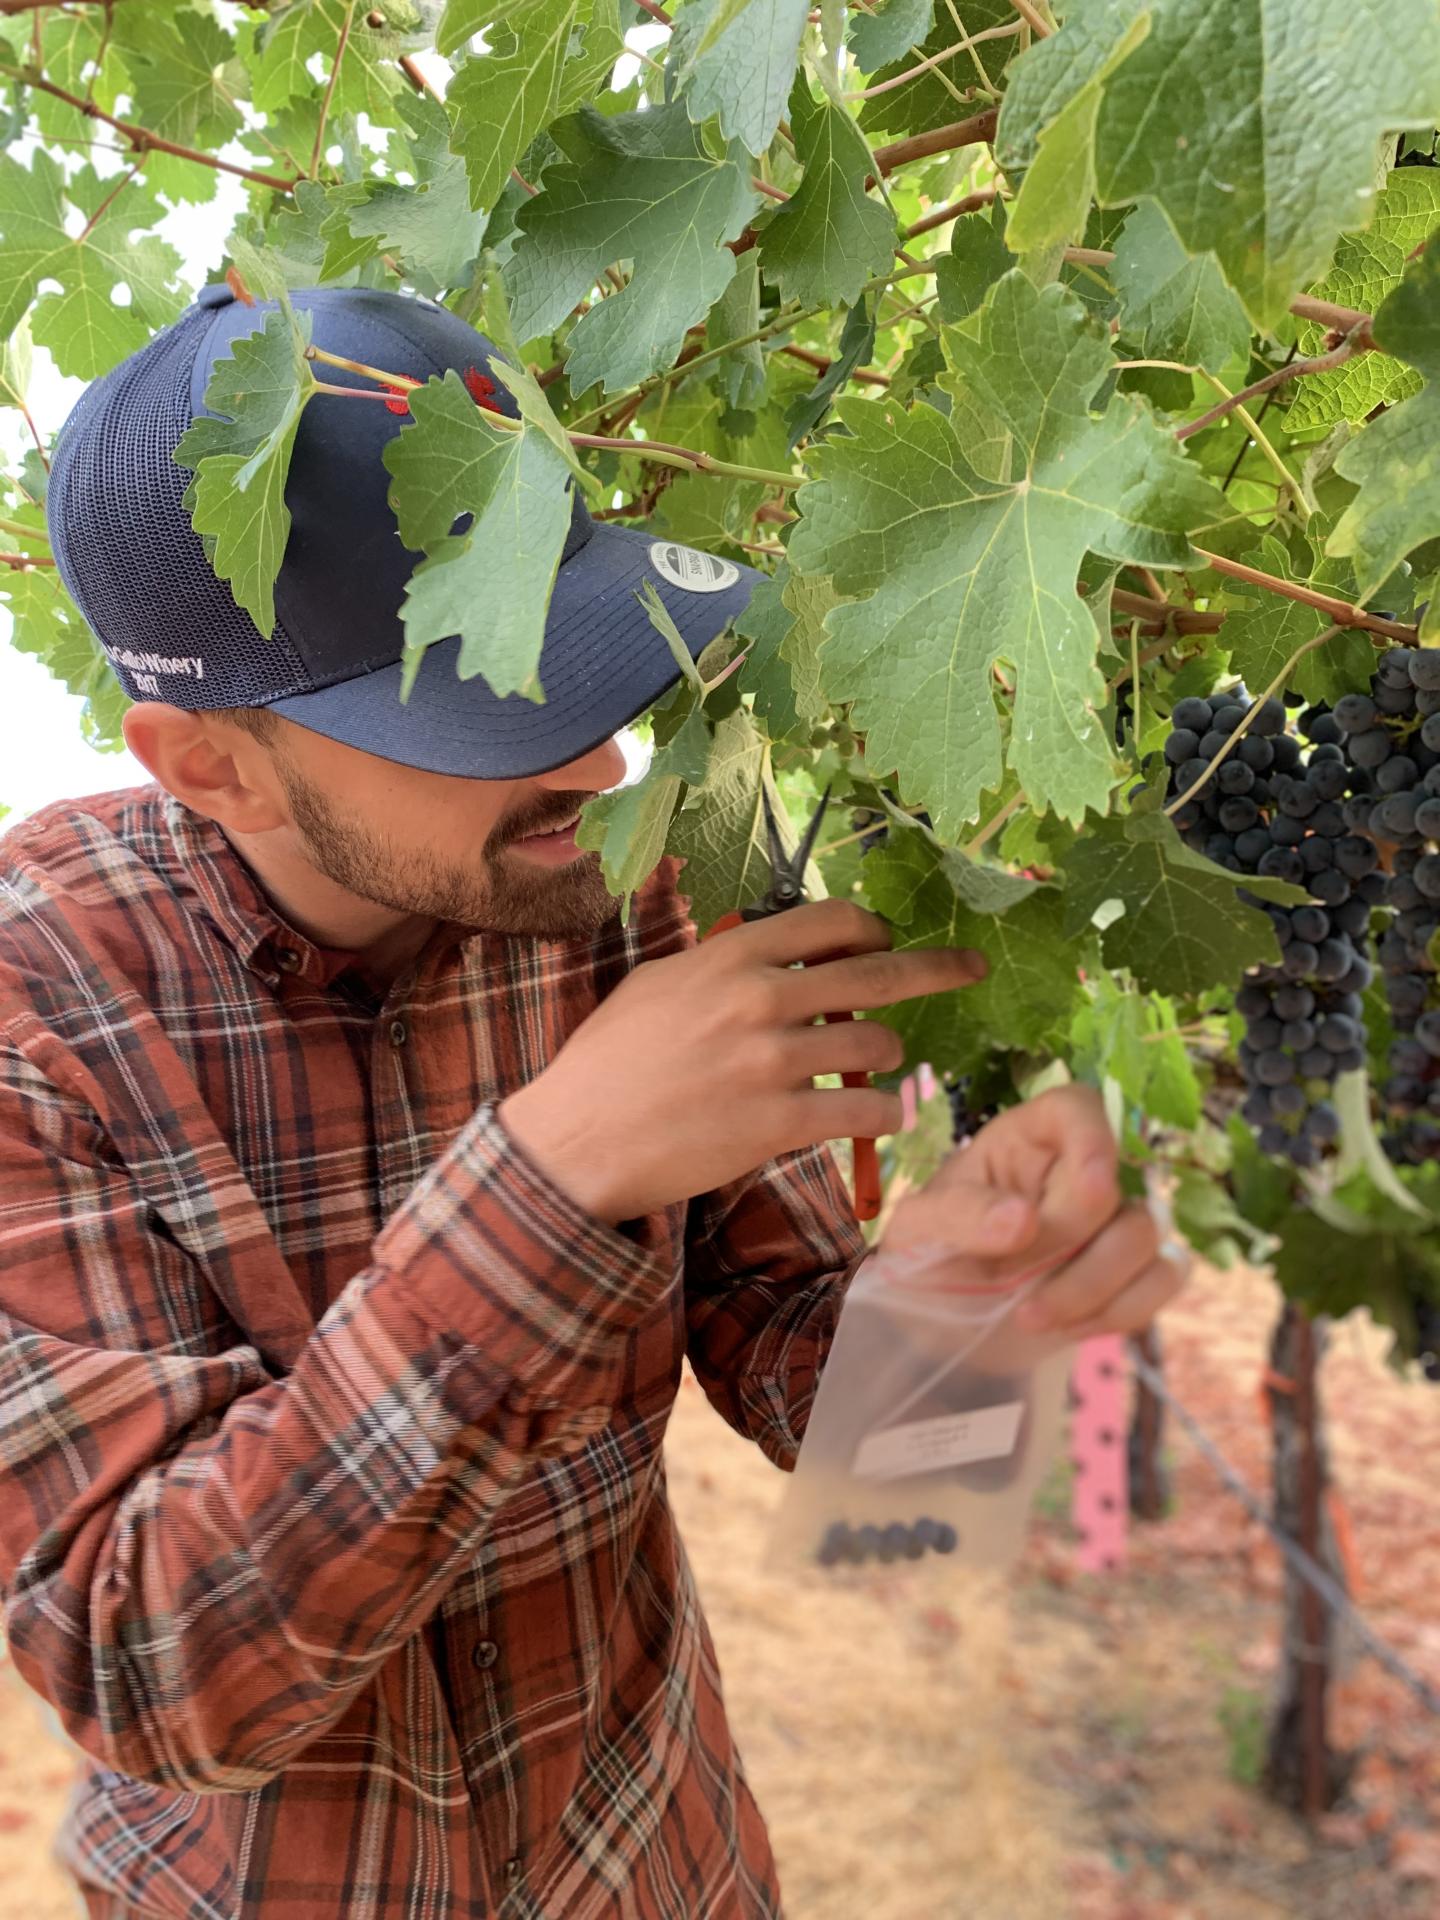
<point>1253,124</point>
<point>978,257</point>
<point>15,367</point>
<point>720,831</point>
<point>81,324</point>
<point>1395,462</point>
<point>546,58</point>
<point>829,238</point>
<point>1032,984</point>
<point>491,584</point>
<point>430,225</point>
<point>178,65</point>
<point>743,73</point>
<point>1130,1038</point>
<point>628,827</point>
<point>1367,267</point>
<point>890,31</point>
<point>1184,927</point>
<point>939,94</point>
<point>951,572</point>
<point>1053,203</point>
<point>47,623</point>
<point>237,497</point>
<point>639,187</point>
<point>1175,305</point>
<point>1264,635</point>
<point>740,375</point>
<point>857,343</point>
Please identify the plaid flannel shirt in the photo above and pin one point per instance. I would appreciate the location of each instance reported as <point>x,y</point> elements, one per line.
<point>333,1518</point>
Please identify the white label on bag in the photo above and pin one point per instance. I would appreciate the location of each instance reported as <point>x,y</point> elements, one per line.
<point>952,1440</point>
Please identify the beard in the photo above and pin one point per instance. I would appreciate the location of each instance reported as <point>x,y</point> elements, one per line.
<point>499,891</point>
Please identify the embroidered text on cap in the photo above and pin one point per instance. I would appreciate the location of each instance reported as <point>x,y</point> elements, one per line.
<point>690,570</point>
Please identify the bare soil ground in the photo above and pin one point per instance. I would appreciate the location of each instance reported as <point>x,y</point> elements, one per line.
<point>936,1746</point>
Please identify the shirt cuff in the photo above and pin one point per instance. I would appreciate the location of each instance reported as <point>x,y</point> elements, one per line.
<point>492,1250</point>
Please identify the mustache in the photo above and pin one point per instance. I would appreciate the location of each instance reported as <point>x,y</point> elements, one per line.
<point>560,809</point>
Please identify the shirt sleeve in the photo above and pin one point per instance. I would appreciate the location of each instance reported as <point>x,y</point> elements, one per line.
<point>202,1564</point>
<point>767,1263</point>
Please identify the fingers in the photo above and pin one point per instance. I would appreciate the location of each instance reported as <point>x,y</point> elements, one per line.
<point>1134,1308</point>
<point>976,1223</point>
<point>1084,1288</point>
<point>880,979</point>
<point>840,1113</point>
<point>1058,1149</point>
<point>845,1046</point>
<point>805,933</point>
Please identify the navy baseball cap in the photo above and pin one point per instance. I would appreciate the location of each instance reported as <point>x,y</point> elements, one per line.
<point>137,570</point>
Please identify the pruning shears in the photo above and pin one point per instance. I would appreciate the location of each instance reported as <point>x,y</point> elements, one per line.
<point>786,890</point>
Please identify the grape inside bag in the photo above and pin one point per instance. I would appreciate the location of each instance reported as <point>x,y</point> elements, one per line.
<point>935,1422</point>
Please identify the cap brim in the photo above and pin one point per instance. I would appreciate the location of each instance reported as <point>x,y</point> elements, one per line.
<point>603,663</point>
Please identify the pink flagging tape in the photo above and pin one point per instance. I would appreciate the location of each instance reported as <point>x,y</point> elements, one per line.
<point>1100,1498</point>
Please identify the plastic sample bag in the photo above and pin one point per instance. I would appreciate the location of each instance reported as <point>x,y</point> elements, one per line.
<point>935,1422</point>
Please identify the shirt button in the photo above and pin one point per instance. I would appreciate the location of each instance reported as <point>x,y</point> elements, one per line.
<point>288,960</point>
<point>485,1654</point>
<point>399,1033</point>
<point>512,1873</point>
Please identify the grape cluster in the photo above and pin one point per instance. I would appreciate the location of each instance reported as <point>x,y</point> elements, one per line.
<point>854,1546</point>
<point>874,826</point>
<point>1277,809</point>
<point>966,1118</point>
<point>1392,737</point>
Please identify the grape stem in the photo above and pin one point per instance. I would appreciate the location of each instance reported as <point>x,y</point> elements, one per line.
<point>1348,322</point>
<point>994,823</point>
<point>1321,363</point>
<point>1340,611</point>
<point>1306,646</point>
<point>141,139</point>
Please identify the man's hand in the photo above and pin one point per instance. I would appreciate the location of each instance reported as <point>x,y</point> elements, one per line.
<point>1037,1190</point>
<point>698,1067</point>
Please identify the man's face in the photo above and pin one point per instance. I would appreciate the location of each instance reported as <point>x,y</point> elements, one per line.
<point>449,848</point>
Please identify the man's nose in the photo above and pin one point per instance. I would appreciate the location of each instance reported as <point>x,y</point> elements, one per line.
<point>603,767</point>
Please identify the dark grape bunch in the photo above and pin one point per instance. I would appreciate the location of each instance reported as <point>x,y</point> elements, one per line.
<point>966,1119</point>
<point>854,1546</point>
<point>1274,809</point>
<point>874,826</point>
<point>1392,736</point>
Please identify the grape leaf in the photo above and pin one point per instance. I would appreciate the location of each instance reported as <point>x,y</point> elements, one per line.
<point>1395,462</point>
<point>857,343</point>
<point>1265,634</point>
<point>829,238</point>
<point>1254,123</point>
<point>47,623</point>
<point>951,572</point>
<point>1032,983</point>
<point>490,584</point>
<point>978,257</point>
<point>940,93</point>
<point>1184,927</point>
<point>429,226</point>
<point>1130,1038</point>
<point>740,375</point>
<point>720,831</point>
<point>1053,203</point>
<point>81,324</point>
<point>736,59</point>
<point>1367,267</point>
<point>892,29</point>
<point>237,497</point>
<point>545,59</point>
<point>628,827</point>
<point>640,187</point>
<point>179,66</point>
<point>1175,305</point>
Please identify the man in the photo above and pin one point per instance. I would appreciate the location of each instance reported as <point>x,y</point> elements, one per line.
<point>363,1185</point>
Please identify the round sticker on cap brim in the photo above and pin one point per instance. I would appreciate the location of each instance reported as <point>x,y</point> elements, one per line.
<point>690,570</point>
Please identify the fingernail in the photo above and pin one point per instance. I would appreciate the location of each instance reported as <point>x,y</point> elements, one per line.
<point>1032,1317</point>
<point>975,964</point>
<point>1098,1173</point>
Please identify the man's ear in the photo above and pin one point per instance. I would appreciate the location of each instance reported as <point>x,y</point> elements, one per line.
<point>209,764</point>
